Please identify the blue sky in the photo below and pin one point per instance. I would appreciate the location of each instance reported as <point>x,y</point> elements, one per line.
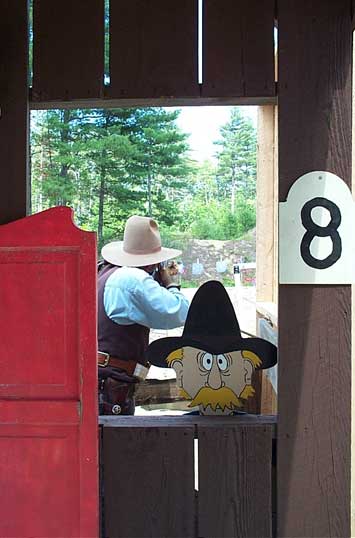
<point>203,124</point>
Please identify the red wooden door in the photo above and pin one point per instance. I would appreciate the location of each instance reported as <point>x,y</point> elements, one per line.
<point>48,409</point>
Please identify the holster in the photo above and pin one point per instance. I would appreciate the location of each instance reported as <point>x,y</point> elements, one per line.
<point>116,392</point>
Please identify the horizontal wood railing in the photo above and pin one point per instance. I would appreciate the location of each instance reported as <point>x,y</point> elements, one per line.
<point>187,476</point>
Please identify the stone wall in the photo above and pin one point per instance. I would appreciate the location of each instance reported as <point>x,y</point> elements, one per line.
<point>209,252</point>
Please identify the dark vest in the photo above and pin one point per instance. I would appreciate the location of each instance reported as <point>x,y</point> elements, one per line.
<point>126,342</point>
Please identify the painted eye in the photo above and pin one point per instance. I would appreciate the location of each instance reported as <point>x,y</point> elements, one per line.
<point>207,360</point>
<point>222,362</point>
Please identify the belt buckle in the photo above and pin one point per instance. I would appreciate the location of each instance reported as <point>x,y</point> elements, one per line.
<point>140,371</point>
<point>106,359</point>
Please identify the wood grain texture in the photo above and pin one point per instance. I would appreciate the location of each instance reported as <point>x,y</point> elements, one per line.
<point>238,48</point>
<point>149,482</point>
<point>153,49</point>
<point>266,211</point>
<point>14,122</point>
<point>68,49</point>
<point>183,421</point>
<point>315,44</point>
<point>235,492</point>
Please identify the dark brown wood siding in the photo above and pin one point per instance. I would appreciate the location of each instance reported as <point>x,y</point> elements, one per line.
<point>155,483</point>
<point>148,482</point>
<point>235,481</point>
<point>68,49</point>
<point>315,44</point>
<point>153,49</point>
<point>238,48</point>
<point>14,122</point>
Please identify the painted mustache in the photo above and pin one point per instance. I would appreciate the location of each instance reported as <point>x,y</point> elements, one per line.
<point>223,397</point>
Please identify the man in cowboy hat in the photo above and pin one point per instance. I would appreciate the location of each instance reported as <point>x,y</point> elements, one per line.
<point>130,303</point>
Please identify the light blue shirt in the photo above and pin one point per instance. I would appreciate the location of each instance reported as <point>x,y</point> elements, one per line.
<point>132,295</point>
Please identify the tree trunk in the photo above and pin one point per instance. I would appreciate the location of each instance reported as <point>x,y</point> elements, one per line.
<point>233,188</point>
<point>150,204</point>
<point>100,225</point>
<point>64,137</point>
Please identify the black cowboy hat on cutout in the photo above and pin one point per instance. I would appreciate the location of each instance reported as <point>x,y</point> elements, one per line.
<point>212,326</point>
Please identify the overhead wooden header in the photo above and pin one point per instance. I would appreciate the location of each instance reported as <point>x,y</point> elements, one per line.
<point>238,52</point>
<point>153,52</point>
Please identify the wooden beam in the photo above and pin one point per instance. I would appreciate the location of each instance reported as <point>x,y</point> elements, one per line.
<point>315,59</point>
<point>266,211</point>
<point>266,235</point>
<point>155,391</point>
<point>37,104</point>
<point>14,120</point>
<point>110,421</point>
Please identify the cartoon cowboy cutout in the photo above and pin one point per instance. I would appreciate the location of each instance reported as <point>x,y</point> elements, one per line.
<point>213,363</point>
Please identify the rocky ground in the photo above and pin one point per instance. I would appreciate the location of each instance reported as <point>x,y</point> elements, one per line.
<point>209,252</point>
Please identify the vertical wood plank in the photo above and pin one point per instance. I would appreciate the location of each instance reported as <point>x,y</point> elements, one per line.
<point>238,48</point>
<point>235,488</point>
<point>149,482</point>
<point>353,320</point>
<point>315,44</point>
<point>266,230</point>
<point>266,210</point>
<point>68,49</point>
<point>14,120</point>
<point>153,48</point>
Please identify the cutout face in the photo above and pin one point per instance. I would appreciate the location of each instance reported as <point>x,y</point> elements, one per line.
<point>216,383</point>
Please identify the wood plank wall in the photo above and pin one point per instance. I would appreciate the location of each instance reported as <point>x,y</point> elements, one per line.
<point>68,49</point>
<point>242,506</point>
<point>315,55</point>
<point>14,119</point>
<point>153,52</point>
<point>238,48</point>
<point>153,48</point>
<point>150,472</point>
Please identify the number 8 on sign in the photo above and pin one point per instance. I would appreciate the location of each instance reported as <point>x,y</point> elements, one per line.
<point>314,230</point>
<point>312,251</point>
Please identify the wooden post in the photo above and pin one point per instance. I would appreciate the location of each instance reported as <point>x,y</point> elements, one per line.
<point>353,329</point>
<point>14,120</point>
<point>315,57</point>
<point>266,238</point>
<point>266,234</point>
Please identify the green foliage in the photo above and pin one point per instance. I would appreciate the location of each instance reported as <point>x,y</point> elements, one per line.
<point>236,171</point>
<point>228,282</point>
<point>109,164</point>
<point>217,221</point>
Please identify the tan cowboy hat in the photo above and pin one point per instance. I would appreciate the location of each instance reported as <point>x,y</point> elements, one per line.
<point>141,245</point>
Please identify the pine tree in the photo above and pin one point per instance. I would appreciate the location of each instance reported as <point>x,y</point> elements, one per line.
<point>108,164</point>
<point>237,158</point>
<point>160,164</point>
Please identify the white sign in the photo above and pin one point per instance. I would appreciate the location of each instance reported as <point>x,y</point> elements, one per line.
<point>317,232</point>
<point>197,268</point>
<point>221,266</point>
